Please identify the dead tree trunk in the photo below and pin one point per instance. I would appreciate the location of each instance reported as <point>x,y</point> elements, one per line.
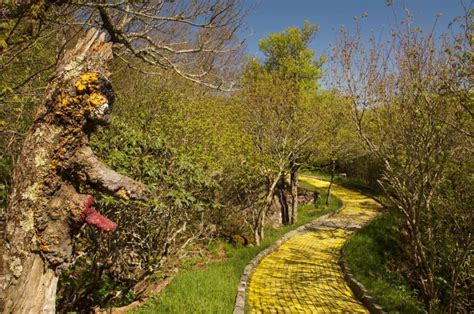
<point>333,173</point>
<point>54,175</point>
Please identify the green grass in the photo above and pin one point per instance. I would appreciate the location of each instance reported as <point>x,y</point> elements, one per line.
<point>368,254</point>
<point>213,289</point>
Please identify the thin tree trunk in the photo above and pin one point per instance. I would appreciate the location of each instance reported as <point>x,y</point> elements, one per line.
<point>256,237</point>
<point>258,232</point>
<point>55,169</point>
<point>260,229</point>
<point>333,173</point>
<point>294,194</point>
<point>281,192</point>
<point>260,221</point>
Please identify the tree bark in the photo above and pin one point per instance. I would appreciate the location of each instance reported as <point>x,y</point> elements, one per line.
<point>258,232</point>
<point>283,200</point>
<point>333,173</point>
<point>53,175</point>
<point>262,212</point>
<point>294,193</point>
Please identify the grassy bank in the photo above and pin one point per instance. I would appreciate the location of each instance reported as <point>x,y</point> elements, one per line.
<point>213,289</point>
<point>369,254</point>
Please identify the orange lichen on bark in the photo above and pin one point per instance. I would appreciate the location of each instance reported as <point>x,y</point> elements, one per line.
<point>96,99</point>
<point>44,248</point>
<point>43,245</point>
<point>66,105</point>
<point>54,163</point>
<point>87,81</point>
<point>88,97</point>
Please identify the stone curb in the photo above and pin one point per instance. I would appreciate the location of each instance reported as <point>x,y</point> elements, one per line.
<point>358,289</point>
<point>241,298</point>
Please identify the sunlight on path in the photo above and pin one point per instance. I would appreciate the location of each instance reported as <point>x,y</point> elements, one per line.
<point>303,275</point>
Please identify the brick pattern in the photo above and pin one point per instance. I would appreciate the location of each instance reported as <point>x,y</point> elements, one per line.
<point>303,274</point>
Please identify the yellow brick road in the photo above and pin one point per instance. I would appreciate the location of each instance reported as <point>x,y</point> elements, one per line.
<point>303,275</point>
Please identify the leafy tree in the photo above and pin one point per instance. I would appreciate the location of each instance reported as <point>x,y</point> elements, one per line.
<point>277,112</point>
<point>152,234</point>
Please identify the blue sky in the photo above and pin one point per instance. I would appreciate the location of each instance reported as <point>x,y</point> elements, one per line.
<point>273,16</point>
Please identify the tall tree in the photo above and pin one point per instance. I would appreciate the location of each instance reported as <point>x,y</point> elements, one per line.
<point>276,98</point>
<point>289,57</point>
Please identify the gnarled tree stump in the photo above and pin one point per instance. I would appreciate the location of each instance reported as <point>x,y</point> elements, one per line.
<point>52,177</point>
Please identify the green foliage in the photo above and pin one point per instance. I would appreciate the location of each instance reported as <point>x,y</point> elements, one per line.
<point>338,139</point>
<point>412,100</point>
<point>287,54</point>
<point>276,103</point>
<point>20,93</point>
<point>208,160</point>
<point>110,264</point>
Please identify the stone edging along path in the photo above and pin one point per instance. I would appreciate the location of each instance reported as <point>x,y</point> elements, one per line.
<point>302,270</point>
<point>358,289</point>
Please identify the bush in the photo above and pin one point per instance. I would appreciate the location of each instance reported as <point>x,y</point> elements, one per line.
<point>108,265</point>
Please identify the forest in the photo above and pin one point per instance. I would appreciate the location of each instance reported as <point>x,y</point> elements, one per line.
<point>146,157</point>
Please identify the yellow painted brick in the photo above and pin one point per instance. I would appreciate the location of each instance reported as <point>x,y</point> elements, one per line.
<point>303,274</point>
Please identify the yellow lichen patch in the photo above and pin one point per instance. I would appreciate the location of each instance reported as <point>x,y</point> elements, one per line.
<point>303,275</point>
<point>97,99</point>
<point>66,104</point>
<point>122,193</point>
<point>87,81</point>
<point>85,102</point>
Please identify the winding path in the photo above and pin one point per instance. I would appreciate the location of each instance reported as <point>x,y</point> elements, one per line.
<point>303,274</point>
